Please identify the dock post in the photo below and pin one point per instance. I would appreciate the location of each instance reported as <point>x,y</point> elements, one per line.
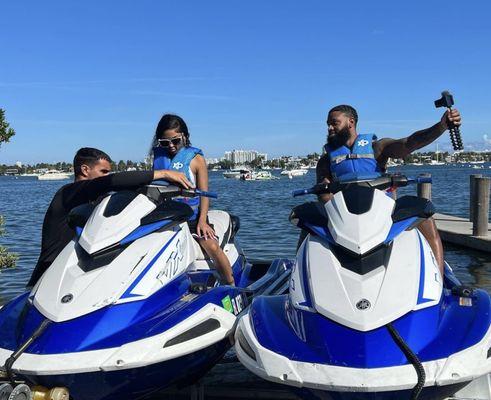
<point>481,207</point>
<point>424,189</point>
<point>472,194</point>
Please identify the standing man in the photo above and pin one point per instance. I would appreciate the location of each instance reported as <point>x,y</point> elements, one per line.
<point>92,179</point>
<point>348,152</point>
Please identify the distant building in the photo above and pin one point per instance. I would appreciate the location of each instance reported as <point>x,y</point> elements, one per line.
<point>264,156</point>
<point>212,161</point>
<point>243,156</point>
<point>18,164</point>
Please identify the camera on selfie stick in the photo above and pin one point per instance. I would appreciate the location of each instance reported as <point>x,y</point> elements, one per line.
<point>455,136</point>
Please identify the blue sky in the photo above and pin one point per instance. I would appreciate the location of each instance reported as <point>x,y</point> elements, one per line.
<point>254,75</point>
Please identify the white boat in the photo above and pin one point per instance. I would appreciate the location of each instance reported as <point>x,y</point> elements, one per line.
<point>437,161</point>
<point>257,176</point>
<point>477,162</point>
<point>434,162</point>
<point>54,175</point>
<point>294,172</point>
<point>235,173</point>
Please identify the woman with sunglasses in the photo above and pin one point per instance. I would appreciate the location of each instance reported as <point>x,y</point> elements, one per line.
<point>172,151</point>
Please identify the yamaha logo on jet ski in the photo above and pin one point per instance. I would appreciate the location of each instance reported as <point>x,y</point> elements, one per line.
<point>363,304</point>
<point>67,298</point>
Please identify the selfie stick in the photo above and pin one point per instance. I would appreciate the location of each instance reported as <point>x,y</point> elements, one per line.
<point>455,136</point>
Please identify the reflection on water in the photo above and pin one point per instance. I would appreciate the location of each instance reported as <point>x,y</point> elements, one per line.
<point>263,208</point>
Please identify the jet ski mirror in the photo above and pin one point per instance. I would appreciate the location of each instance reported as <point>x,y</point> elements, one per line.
<point>455,137</point>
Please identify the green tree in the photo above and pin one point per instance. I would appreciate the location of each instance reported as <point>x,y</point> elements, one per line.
<point>121,165</point>
<point>7,260</point>
<point>6,132</point>
<point>226,164</point>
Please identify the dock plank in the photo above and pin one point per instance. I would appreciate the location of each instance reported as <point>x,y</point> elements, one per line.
<point>458,231</point>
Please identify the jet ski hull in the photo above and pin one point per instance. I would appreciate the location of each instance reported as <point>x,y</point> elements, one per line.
<point>323,358</point>
<point>135,383</point>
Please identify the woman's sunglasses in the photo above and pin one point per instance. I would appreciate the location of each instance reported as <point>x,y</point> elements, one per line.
<point>167,142</point>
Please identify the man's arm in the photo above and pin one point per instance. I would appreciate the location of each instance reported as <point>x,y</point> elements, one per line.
<point>400,148</point>
<point>323,174</point>
<point>90,190</point>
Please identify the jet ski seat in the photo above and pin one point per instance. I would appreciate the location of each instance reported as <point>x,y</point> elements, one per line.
<point>225,226</point>
<point>412,206</point>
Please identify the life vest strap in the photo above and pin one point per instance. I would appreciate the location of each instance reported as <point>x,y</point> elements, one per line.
<point>342,157</point>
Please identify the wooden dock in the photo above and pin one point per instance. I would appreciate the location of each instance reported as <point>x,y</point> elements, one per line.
<point>475,232</point>
<point>458,231</point>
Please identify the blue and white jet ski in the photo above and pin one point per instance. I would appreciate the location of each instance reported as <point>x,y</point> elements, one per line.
<point>131,305</point>
<point>368,314</point>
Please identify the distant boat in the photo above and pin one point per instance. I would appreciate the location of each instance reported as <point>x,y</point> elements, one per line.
<point>30,174</point>
<point>54,175</point>
<point>435,162</point>
<point>235,173</point>
<point>294,172</point>
<point>257,176</point>
<point>477,162</point>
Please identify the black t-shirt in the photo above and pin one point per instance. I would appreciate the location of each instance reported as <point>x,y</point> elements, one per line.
<point>56,232</point>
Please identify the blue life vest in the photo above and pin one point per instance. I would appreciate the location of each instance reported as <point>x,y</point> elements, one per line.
<point>181,162</point>
<point>358,160</point>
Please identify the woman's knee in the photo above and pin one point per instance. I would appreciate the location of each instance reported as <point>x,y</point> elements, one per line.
<point>210,245</point>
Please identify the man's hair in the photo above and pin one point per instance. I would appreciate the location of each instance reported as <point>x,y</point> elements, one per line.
<point>346,110</point>
<point>88,156</point>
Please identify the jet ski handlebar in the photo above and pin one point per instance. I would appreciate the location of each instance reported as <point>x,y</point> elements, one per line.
<point>197,192</point>
<point>381,183</point>
<point>163,191</point>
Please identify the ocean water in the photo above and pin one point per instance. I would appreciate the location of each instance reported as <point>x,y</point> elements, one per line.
<point>263,208</point>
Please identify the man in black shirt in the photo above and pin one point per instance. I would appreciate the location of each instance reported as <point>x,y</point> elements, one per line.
<point>92,169</point>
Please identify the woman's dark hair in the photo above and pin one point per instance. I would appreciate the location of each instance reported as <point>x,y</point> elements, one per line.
<point>171,121</point>
<point>88,156</point>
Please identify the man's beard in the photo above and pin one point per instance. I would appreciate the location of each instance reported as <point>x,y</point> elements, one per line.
<point>339,139</point>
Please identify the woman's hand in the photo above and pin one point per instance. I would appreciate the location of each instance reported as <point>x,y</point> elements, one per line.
<point>204,230</point>
<point>174,177</point>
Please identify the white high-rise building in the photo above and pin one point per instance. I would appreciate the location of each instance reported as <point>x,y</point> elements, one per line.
<point>243,156</point>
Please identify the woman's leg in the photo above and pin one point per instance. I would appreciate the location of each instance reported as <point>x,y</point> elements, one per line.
<point>222,264</point>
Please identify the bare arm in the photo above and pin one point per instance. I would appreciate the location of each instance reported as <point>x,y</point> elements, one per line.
<point>400,148</point>
<point>323,174</point>
<point>198,166</point>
